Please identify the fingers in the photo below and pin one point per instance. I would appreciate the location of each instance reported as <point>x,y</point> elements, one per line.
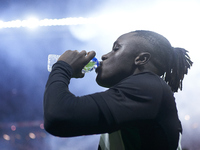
<point>90,55</point>
<point>77,60</point>
<point>83,52</point>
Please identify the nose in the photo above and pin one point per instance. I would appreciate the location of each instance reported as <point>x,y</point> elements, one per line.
<point>105,56</point>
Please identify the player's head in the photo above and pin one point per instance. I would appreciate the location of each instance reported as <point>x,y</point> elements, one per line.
<point>142,50</point>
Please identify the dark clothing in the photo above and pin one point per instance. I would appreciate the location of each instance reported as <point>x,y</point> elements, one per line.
<point>141,106</point>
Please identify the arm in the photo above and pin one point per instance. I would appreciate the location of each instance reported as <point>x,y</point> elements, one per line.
<point>65,114</point>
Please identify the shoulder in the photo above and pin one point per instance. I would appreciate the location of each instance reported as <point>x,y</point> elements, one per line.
<point>144,85</point>
<point>146,80</point>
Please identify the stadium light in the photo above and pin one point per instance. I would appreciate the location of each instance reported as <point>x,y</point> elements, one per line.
<point>34,22</point>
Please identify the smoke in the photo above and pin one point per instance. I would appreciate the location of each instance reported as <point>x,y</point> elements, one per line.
<point>23,55</point>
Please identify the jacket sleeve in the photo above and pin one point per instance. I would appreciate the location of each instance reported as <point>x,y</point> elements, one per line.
<point>66,115</point>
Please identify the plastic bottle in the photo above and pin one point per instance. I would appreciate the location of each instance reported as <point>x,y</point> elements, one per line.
<point>52,59</point>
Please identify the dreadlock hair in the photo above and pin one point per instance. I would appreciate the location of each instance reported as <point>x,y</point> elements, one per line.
<point>172,63</point>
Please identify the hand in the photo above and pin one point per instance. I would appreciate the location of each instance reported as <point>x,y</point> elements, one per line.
<point>77,60</point>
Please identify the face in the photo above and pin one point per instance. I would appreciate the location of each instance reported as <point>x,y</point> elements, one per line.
<point>119,63</point>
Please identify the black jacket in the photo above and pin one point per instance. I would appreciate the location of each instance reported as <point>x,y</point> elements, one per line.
<point>141,106</point>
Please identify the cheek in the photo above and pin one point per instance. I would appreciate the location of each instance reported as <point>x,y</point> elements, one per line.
<point>107,71</point>
<point>105,76</point>
<point>116,65</point>
<point>113,70</point>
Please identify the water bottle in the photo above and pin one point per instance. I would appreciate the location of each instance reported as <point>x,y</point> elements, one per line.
<point>52,59</point>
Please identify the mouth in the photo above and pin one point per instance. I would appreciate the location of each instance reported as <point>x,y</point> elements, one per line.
<point>99,67</point>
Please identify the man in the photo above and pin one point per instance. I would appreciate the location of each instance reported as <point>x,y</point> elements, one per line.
<point>138,111</point>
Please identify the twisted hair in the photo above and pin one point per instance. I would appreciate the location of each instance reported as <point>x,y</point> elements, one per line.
<point>172,63</point>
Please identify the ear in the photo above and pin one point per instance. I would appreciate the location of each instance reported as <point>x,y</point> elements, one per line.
<point>142,58</point>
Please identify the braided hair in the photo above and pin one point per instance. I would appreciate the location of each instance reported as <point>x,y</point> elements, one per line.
<point>172,63</point>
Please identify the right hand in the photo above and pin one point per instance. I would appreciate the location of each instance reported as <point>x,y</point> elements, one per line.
<point>77,60</point>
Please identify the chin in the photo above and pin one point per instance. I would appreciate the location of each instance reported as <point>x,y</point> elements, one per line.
<point>103,83</point>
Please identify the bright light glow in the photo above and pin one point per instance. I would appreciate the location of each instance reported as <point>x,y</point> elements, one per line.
<point>13,128</point>
<point>6,137</point>
<point>34,22</point>
<point>187,117</point>
<point>32,135</point>
<point>42,126</point>
<point>30,23</point>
